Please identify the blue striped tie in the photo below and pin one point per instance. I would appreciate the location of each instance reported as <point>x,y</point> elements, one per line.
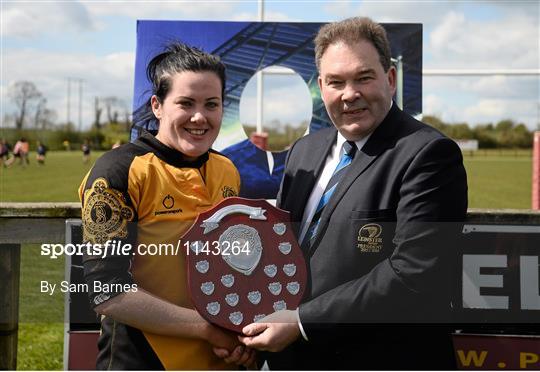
<point>346,159</point>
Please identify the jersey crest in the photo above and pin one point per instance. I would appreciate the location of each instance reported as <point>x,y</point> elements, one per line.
<point>105,214</point>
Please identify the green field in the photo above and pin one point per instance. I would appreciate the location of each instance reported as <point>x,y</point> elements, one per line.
<point>497,179</point>
<point>56,181</point>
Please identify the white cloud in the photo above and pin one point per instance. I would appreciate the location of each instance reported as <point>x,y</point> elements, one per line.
<point>470,35</point>
<point>289,104</point>
<point>507,87</point>
<point>493,110</point>
<point>434,105</point>
<point>391,11</point>
<point>508,42</point>
<point>30,19</point>
<point>482,99</point>
<point>463,34</point>
<point>110,75</point>
<point>286,98</point>
<point>270,16</point>
<point>196,10</point>
<point>204,10</point>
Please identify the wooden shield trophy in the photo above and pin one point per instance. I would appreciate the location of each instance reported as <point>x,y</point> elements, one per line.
<point>243,263</point>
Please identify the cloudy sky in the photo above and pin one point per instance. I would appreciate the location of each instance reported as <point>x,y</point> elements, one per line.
<point>48,41</point>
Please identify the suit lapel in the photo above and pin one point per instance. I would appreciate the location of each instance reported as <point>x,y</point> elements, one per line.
<point>303,189</point>
<point>329,141</point>
<point>381,139</point>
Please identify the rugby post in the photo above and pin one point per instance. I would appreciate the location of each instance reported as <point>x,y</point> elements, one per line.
<point>536,172</point>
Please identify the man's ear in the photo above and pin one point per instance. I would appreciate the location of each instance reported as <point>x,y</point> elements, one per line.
<point>391,75</point>
<point>320,83</point>
<point>156,106</point>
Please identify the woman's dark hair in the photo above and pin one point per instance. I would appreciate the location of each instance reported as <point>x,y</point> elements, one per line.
<point>176,58</point>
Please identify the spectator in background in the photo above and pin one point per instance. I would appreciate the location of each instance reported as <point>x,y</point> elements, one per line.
<point>86,151</point>
<point>4,152</point>
<point>41,151</point>
<point>20,151</point>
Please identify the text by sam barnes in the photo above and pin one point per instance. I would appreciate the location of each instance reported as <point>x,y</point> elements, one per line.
<point>66,287</point>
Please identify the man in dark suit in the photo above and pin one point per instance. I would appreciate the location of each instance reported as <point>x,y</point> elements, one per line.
<point>378,202</point>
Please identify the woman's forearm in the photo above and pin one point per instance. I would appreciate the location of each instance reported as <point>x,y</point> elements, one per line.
<point>152,314</point>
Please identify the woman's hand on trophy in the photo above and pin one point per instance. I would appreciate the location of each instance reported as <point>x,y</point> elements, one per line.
<point>227,347</point>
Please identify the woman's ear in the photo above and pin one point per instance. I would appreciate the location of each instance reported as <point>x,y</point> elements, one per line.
<point>156,106</point>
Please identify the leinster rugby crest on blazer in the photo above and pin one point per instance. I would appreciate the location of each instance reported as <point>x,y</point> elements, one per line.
<point>243,263</point>
<point>370,238</point>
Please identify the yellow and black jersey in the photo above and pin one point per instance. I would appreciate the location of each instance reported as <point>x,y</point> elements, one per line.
<point>144,193</point>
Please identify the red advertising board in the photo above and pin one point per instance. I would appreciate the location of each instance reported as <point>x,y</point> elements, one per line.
<point>495,352</point>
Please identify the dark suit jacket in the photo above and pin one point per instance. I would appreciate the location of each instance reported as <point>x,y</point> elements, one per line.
<point>383,256</point>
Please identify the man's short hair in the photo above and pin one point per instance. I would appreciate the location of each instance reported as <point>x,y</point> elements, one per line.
<point>350,31</point>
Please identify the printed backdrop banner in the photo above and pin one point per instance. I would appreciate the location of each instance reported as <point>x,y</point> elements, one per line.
<point>247,47</point>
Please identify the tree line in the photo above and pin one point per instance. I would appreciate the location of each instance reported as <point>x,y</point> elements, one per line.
<point>503,134</point>
<point>33,119</point>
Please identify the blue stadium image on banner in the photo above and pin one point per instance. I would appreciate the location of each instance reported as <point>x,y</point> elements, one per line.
<point>248,47</point>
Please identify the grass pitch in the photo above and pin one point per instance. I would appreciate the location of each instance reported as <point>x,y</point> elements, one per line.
<point>497,179</point>
<point>56,181</point>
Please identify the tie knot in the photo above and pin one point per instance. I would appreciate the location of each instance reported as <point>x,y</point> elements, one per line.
<point>350,148</point>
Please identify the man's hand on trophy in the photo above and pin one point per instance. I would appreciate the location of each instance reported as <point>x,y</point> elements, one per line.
<point>272,333</point>
<point>226,346</point>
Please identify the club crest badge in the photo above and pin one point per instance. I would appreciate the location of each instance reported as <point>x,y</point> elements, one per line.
<point>105,214</point>
<point>243,261</point>
<point>369,238</point>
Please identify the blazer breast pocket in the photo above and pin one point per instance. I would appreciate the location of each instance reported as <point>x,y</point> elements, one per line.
<point>374,215</point>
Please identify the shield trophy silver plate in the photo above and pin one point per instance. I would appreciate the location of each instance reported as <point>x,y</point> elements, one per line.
<point>243,263</point>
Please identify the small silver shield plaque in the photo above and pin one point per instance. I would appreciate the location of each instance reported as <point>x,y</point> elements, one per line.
<point>258,317</point>
<point>285,248</point>
<point>207,288</point>
<point>254,297</point>
<point>227,280</point>
<point>289,269</point>
<point>274,288</point>
<point>232,299</point>
<point>280,305</point>
<point>293,287</point>
<point>213,308</point>
<point>280,228</point>
<point>202,266</point>
<point>270,270</point>
<point>236,317</point>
